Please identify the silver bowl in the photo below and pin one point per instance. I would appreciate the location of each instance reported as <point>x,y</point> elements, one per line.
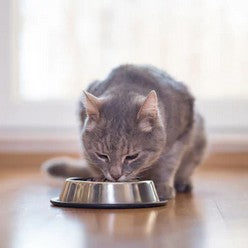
<point>78,192</point>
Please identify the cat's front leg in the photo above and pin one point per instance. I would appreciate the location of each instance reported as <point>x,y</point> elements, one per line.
<point>165,170</point>
<point>165,191</point>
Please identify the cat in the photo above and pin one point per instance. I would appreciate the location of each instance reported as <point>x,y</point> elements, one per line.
<point>138,124</point>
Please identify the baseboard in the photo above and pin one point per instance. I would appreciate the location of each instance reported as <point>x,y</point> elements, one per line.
<point>18,161</point>
<point>226,160</point>
<point>42,141</point>
<point>62,141</point>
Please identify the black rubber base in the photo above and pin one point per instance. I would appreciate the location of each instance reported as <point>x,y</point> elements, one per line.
<point>57,203</point>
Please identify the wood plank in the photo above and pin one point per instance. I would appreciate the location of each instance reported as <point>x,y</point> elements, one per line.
<point>214,215</point>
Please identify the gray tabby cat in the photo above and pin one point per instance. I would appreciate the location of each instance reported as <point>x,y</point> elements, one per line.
<point>139,123</point>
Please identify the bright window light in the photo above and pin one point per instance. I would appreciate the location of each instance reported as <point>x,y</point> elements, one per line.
<point>62,45</point>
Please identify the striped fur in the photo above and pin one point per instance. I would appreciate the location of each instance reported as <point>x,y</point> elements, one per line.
<point>139,123</point>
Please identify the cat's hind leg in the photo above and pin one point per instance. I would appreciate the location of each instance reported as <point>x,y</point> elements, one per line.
<point>191,159</point>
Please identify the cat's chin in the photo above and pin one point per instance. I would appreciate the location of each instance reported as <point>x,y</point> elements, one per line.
<point>109,177</point>
<point>123,178</point>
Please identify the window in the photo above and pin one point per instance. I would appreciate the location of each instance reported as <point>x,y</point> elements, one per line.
<point>53,49</point>
<point>65,46</point>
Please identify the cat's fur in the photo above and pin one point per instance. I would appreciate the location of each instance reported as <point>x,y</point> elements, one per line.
<point>138,123</point>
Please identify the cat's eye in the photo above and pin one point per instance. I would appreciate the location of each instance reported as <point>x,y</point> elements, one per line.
<point>131,157</point>
<point>102,156</point>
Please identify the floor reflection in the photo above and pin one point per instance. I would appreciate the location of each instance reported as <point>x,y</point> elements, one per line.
<point>187,221</point>
<point>147,226</point>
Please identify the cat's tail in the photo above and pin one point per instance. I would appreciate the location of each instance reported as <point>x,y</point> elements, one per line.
<point>57,169</point>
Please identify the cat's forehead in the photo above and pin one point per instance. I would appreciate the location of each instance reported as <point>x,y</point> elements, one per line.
<point>120,106</point>
<point>119,142</point>
<point>120,128</point>
<point>115,142</point>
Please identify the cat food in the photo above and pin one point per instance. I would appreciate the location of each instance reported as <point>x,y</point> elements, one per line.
<point>96,180</point>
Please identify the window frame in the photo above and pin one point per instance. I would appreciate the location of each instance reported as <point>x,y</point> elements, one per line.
<point>17,113</point>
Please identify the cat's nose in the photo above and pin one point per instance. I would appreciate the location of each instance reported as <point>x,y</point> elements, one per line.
<point>115,176</point>
<point>115,172</point>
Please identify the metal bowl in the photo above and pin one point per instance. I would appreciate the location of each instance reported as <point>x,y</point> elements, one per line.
<point>79,192</point>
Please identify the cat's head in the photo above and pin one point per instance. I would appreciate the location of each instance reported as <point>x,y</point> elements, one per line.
<point>121,137</point>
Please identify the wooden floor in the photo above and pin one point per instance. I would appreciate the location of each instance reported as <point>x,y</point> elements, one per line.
<point>214,215</point>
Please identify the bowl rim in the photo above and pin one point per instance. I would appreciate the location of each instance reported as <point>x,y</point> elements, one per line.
<point>80,180</point>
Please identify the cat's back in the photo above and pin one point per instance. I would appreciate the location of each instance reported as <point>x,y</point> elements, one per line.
<point>125,82</point>
<point>140,79</point>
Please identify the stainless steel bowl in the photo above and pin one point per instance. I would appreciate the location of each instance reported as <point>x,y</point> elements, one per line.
<point>78,192</point>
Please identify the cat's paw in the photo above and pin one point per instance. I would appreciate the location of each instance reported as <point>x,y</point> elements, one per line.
<point>182,187</point>
<point>165,192</point>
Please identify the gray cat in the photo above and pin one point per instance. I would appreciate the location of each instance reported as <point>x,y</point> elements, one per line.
<point>138,123</point>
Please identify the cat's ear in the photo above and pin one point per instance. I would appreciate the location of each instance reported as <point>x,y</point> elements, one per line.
<point>149,108</point>
<point>92,105</point>
<point>148,112</point>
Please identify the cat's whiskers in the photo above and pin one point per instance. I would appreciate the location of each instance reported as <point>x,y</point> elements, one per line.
<point>123,178</point>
